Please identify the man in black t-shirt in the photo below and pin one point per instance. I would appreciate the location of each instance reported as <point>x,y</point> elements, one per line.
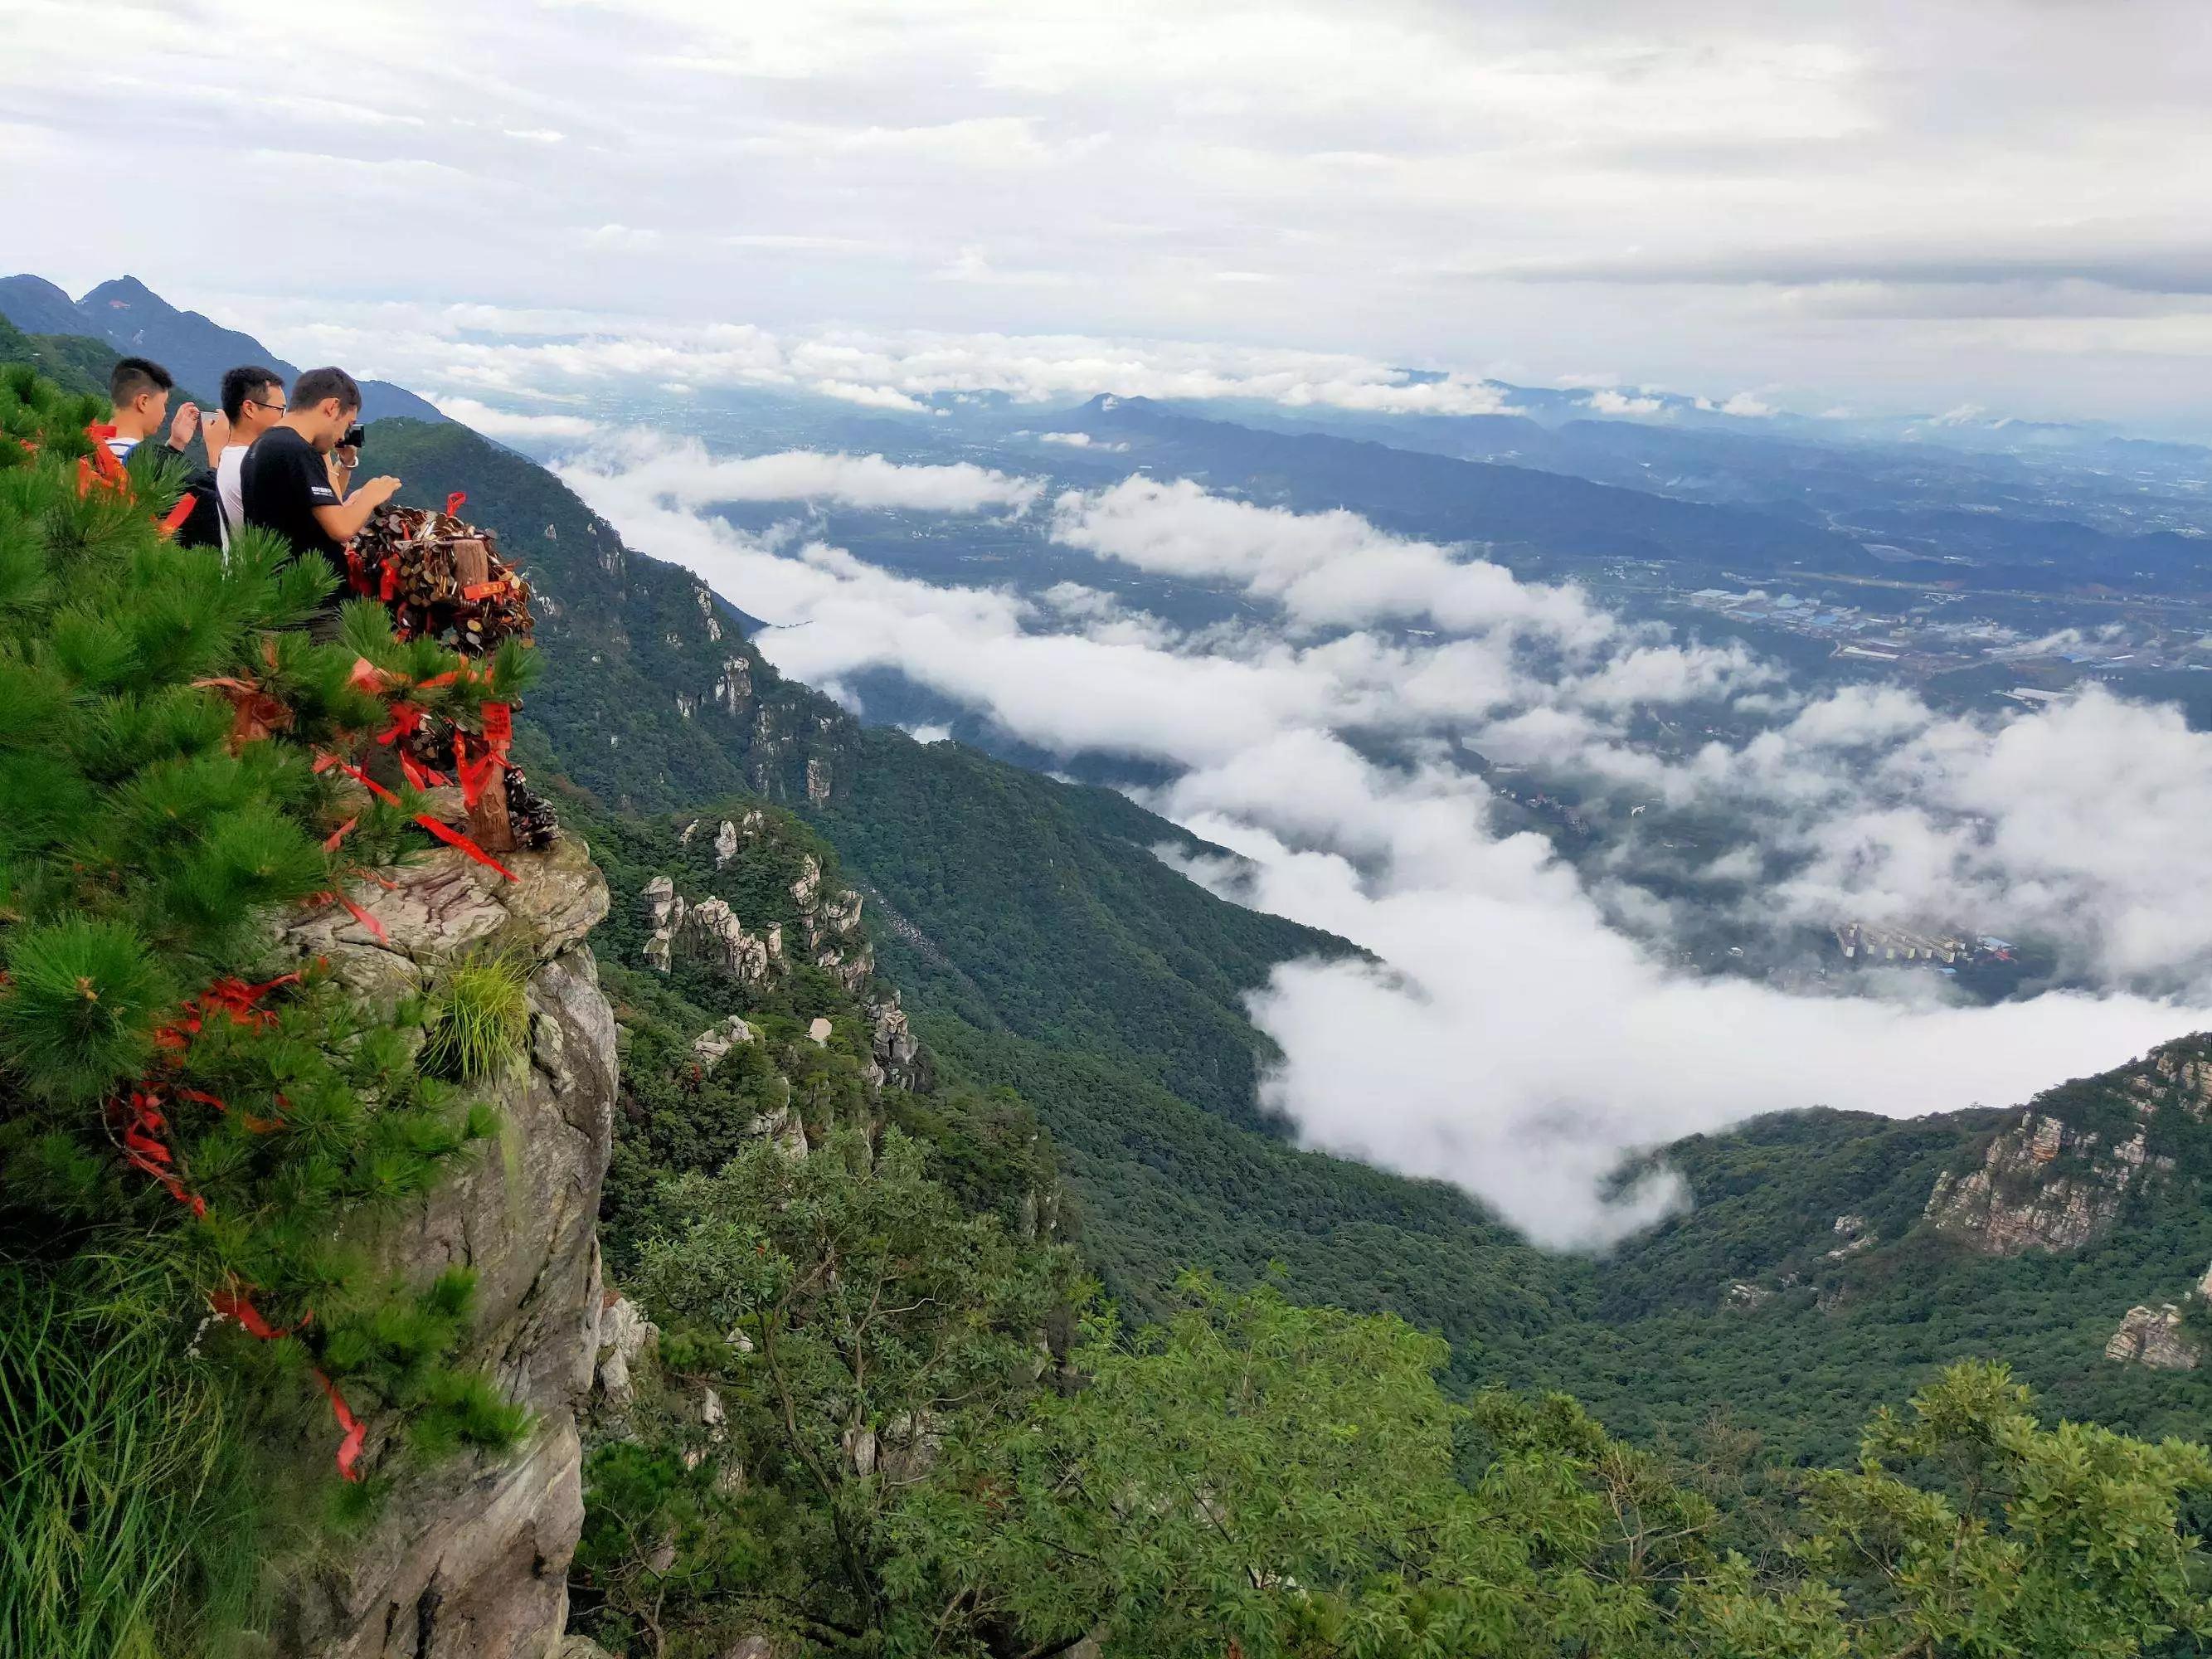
<point>286,484</point>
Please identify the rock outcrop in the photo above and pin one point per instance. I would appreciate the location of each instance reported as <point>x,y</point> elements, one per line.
<point>826,920</point>
<point>897,1059</point>
<point>708,933</point>
<point>2010,1205</point>
<point>2050,1182</point>
<point>624,1335</point>
<point>2017,1202</point>
<point>713,1044</point>
<point>2153,1337</point>
<point>468,1558</point>
<point>2159,1337</point>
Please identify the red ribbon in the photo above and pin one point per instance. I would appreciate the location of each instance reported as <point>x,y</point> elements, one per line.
<point>477,770</point>
<point>451,837</point>
<point>101,466</point>
<point>455,501</point>
<point>356,1430</point>
<point>143,1148</point>
<point>406,718</point>
<point>235,1304</point>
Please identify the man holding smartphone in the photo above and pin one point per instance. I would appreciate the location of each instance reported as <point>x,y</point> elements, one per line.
<point>287,484</point>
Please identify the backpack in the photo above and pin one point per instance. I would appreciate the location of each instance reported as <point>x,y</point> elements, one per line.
<point>202,525</point>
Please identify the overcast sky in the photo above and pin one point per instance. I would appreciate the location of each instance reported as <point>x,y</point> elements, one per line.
<point>1888,206</point>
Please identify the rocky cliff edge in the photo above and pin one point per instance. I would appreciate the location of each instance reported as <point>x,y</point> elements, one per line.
<point>468,1558</point>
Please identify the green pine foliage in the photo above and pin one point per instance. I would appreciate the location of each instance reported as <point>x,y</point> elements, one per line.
<point>171,1098</point>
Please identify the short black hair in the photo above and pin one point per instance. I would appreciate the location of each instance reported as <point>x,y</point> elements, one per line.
<point>240,387</point>
<point>316,384</point>
<point>133,377</point>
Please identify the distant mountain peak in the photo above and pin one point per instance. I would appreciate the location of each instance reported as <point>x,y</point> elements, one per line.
<point>126,314</point>
<point>119,292</point>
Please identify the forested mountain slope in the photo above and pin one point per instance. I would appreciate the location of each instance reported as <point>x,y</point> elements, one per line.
<point>1046,949</point>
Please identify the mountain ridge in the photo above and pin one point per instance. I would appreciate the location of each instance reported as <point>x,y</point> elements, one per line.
<point>196,350</point>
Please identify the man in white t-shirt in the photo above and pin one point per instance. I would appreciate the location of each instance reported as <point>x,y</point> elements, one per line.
<point>253,401</point>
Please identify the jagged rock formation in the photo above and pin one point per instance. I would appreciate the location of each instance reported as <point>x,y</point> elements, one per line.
<point>2010,1205</point>
<point>707,933</point>
<point>896,1058</point>
<point>468,1558</point>
<point>710,933</point>
<point>831,919</point>
<point>2046,1184</point>
<point>625,1334</point>
<point>2153,1337</point>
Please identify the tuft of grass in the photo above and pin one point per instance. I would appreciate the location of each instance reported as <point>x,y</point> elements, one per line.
<point>127,1514</point>
<point>479,1019</point>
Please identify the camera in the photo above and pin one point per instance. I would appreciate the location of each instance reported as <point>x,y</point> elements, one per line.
<point>354,437</point>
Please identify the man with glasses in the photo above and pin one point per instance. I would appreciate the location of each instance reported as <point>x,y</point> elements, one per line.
<point>253,401</point>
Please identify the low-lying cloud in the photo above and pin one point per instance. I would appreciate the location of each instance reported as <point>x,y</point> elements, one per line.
<point>686,475</point>
<point>1516,1039</point>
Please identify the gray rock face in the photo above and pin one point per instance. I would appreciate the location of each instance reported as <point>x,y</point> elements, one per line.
<point>469,1557</point>
<point>625,1334</point>
<point>725,843</point>
<point>2153,1337</point>
<point>2017,1200</point>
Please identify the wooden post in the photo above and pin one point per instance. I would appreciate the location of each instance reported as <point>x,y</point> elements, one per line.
<point>489,824</point>
<point>471,561</point>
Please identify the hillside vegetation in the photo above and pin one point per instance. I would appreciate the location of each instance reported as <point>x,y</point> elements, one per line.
<point>1044,948</point>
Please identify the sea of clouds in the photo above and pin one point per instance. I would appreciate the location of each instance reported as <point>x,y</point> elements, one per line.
<point>1513,1036</point>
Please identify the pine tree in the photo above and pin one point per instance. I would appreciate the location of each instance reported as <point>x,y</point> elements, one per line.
<point>173,1114</point>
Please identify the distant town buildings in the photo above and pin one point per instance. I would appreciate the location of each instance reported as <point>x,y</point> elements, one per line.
<point>1876,942</point>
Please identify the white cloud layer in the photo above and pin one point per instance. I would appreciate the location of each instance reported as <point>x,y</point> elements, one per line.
<point>1516,1041</point>
<point>510,424</point>
<point>687,476</point>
